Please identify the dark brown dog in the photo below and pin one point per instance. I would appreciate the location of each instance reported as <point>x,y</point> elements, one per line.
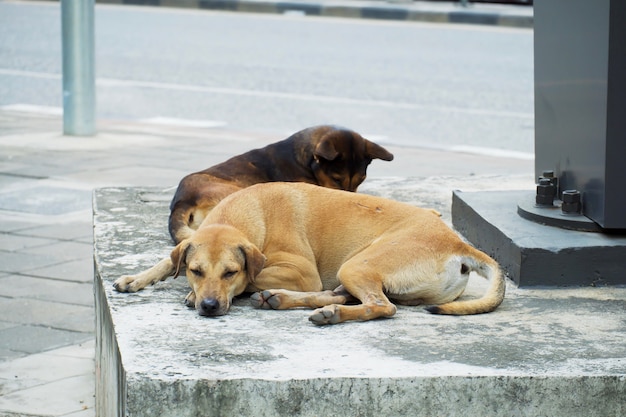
<point>329,156</point>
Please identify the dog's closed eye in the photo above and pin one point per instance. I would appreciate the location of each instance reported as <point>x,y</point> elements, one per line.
<point>229,274</point>
<point>196,272</point>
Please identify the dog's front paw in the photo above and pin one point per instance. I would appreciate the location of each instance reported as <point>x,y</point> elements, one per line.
<point>126,283</point>
<point>190,300</point>
<point>266,300</point>
<point>326,315</point>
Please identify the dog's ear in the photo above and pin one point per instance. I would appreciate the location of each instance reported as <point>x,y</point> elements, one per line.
<point>325,148</point>
<point>376,151</point>
<point>179,256</point>
<point>254,260</point>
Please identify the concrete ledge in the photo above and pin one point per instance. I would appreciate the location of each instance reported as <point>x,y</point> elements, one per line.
<point>543,352</point>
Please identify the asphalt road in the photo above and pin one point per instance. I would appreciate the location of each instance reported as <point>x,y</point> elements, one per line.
<point>426,85</point>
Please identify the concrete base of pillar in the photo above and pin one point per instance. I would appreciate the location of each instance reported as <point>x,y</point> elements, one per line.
<point>535,254</point>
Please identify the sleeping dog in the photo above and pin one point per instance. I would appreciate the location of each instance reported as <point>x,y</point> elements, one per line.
<point>299,245</point>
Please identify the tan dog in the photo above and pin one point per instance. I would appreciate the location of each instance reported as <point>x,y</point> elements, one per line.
<point>329,156</point>
<point>300,245</point>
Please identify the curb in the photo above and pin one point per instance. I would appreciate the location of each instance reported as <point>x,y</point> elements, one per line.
<point>410,11</point>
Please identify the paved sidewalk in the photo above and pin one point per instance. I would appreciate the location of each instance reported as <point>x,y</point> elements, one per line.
<point>46,263</point>
<point>424,11</point>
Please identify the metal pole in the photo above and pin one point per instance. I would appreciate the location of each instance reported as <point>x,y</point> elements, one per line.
<point>79,81</point>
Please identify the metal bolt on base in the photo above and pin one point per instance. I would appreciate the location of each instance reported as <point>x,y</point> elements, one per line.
<point>545,209</point>
<point>546,191</point>
<point>571,203</point>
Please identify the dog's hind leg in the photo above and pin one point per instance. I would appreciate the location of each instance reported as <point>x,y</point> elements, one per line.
<point>133,283</point>
<point>285,299</point>
<point>365,285</point>
<point>374,306</point>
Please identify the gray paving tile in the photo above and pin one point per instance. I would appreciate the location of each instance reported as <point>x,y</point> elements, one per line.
<point>93,155</point>
<point>17,262</point>
<point>85,239</point>
<point>5,324</point>
<point>132,175</point>
<point>88,412</point>
<point>10,224</point>
<point>67,231</point>
<point>8,355</point>
<point>11,155</point>
<point>37,369</point>
<point>39,168</point>
<point>16,123</point>
<point>63,250</point>
<point>46,200</point>
<point>35,339</point>
<point>59,316</point>
<point>11,242</point>
<point>80,270</point>
<point>49,163</point>
<point>10,180</point>
<point>86,350</point>
<point>58,398</point>
<point>16,286</point>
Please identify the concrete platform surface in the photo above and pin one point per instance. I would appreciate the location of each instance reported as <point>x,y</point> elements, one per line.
<point>46,244</point>
<point>544,352</point>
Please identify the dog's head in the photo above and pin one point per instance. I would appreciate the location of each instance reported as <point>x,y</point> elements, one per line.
<point>341,157</point>
<point>220,263</point>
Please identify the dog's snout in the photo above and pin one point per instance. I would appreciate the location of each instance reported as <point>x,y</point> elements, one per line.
<point>209,307</point>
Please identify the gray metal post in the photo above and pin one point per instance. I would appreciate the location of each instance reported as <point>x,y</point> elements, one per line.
<point>580,97</point>
<point>79,85</point>
<point>580,143</point>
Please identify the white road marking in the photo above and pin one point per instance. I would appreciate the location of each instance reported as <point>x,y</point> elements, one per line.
<point>32,108</point>
<point>498,153</point>
<point>31,74</point>
<point>172,121</point>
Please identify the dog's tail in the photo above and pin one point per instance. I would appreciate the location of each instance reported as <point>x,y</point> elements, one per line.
<point>487,268</point>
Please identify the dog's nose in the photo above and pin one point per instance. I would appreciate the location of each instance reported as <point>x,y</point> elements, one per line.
<point>209,307</point>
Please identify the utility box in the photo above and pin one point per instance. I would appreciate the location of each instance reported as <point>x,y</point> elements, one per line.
<point>580,102</point>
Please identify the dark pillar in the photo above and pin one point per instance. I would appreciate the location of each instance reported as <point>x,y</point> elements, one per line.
<point>580,122</point>
<point>580,102</point>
